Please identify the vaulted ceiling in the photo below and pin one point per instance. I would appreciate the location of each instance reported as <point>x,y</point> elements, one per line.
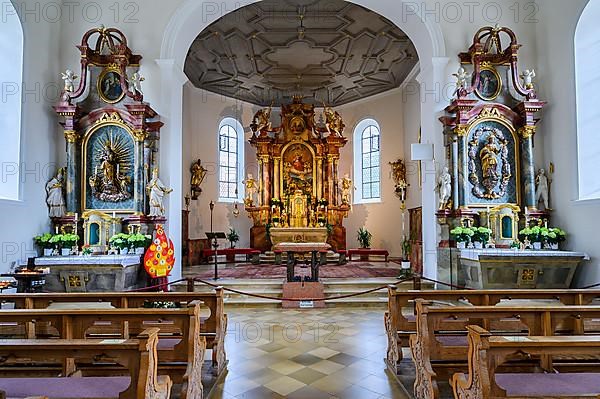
<point>328,51</point>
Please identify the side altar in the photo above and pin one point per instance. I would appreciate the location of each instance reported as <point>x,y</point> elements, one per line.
<point>298,195</point>
<point>111,180</point>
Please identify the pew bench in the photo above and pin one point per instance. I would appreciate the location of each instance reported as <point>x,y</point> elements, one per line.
<point>213,326</point>
<point>180,346</point>
<point>487,353</point>
<point>366,253</point>
<point>252,255</point>
<point>138,356</point>
<point>400,320</point>
<point>440,347</point>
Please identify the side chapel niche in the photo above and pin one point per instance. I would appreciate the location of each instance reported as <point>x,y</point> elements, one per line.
<point>489,136</point>
<point>111,141</point>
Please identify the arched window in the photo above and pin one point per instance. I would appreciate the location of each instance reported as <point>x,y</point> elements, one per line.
<point>11,71</point>
<point>231,160</point>
<point>367,162</point>
<point>587,75</point>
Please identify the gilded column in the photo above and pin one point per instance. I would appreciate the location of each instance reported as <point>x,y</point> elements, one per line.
<point>276,178</point>
<point>267,177</point>
<point>261,185</point>
<point>139,184</point>
<point>527,166</point>
<point>73,175</point>
<point>330,176</point>
<point>319,193</point>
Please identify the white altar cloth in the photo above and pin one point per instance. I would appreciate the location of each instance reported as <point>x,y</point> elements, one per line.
<point>98,260</point>
<point>473,254</point>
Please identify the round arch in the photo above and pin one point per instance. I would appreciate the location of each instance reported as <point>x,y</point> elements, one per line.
<point>193,16</point>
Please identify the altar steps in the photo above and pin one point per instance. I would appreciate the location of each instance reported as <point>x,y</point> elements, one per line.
<point>274,288</point>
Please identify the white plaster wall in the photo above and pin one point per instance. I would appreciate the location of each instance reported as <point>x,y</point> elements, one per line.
<point>556,70</point>
<point>23,219</point>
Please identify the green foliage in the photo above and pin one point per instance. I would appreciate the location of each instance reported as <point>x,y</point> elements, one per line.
<point>232,237</point>
<point>120,240</point>
<point>44,241</point>
<point>65,240</point>
<point>364,237</point>
<point>462,234</point>
<point>138,240</point>
<point>481,234</point>
<point>553,235</point>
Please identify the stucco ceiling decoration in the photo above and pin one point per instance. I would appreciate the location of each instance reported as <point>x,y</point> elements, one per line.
<point>333,52</point>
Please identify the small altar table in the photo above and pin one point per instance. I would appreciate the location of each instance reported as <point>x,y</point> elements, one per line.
<point>294,248</point>
<point>509,268</point>
<point>93,273</point>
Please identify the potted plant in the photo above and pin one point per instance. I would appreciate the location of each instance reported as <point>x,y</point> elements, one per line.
<point>43,241</point>
<point>65,242</point>
<point>554,237</point>
<point>516,245</point>
<point>481,235</point>
<point>232,237</point>
<point>120,241</point>
<point>533,235</point>
<point>462,236</point>
<point>364,238</point>
<point>139,242</point>
<point>406,248</point>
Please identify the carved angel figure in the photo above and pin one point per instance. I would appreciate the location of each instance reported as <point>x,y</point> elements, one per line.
<point>198,174</point>
<point>251,189</point>
<point>69,77</point>
<point>135,83</point>
<point>444,188</point>
<point>398,172</point>
<point>55,196</point>
<point>261,120</point>
<point>527,77</point>
<point>346,187</point>
<point>461,78</point>
<point>333,122</point>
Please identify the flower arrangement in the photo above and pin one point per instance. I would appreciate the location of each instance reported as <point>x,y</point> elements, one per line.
<point>481,234</point>
<point>531,234</point>
<point>232,237</point>
<point>43,241</point>
<point>551,236</point>
<point>86,250</point>
<point>556,235</point>
<point>120,241</point>
<point>138,240</point>
<point>462,234</point>
<point>364,237</point>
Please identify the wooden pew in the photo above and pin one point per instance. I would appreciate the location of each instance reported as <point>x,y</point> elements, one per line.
<point>185,343</point>
<point>440,345</point>
<point>399,327</point>
<point>213,328</point>
<point>137,355</point>
<point>487,353</point>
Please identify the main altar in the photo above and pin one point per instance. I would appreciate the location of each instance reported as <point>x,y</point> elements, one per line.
<point>298,195</point>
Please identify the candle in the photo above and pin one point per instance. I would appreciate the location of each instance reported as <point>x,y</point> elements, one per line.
<point>76,216</point>
<point>114,214</point>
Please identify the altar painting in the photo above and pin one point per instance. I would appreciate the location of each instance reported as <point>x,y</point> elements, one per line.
<point>298,167</point>
<point>109,163</point>
<point>492,164</point>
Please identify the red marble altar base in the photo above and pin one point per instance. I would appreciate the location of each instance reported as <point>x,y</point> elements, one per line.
<point>303,291</point>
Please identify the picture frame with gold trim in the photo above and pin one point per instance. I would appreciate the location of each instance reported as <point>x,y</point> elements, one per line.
<point>109,85</point>
<point>490,83</point>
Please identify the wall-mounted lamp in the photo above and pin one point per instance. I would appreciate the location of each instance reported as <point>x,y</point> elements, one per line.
<point>421,152</point>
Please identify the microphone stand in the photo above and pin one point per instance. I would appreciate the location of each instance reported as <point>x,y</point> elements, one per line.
<point>215,243</point>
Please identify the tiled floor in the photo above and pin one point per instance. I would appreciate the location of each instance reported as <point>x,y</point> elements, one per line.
<point>309,354</point>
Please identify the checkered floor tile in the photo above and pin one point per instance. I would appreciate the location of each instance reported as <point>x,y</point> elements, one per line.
<point>309,354</point>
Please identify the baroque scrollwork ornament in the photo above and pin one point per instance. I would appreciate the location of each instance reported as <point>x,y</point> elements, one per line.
<point>491,161</point>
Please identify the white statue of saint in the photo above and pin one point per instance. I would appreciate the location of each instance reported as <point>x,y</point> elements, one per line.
<point>251,189</point>
<point>461,78</point>
<point>541,188</point>
<point>135,83</point>
<point>527,77</point>
<point>55,198</point>
<point>157,191</point>
<point>444,188</point>
<point>69,77</point>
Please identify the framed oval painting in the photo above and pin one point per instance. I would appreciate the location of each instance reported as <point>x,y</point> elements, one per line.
<point>109,86</point>
<point>490,84</point>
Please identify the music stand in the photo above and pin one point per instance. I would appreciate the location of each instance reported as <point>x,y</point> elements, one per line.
<point>213,237</point>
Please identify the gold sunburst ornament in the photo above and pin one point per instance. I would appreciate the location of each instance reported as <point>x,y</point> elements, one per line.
<point>113,158</point>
